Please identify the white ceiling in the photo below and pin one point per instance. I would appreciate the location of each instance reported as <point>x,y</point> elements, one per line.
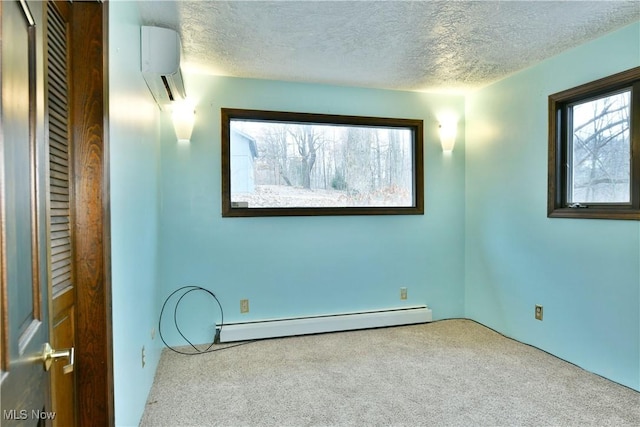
<point>407,45</point>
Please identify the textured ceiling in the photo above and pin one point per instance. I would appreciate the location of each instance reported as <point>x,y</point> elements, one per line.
<point>407,45</point>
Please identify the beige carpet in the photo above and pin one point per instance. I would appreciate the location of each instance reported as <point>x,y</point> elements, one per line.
<point>447,373</point>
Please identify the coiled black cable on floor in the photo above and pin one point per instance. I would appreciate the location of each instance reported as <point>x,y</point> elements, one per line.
<point>185,291</point>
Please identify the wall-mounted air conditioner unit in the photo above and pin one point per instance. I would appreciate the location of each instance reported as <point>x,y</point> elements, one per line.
<point>160,53</point>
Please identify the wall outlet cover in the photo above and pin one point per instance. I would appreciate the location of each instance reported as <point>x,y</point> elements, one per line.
<point>244,306</point>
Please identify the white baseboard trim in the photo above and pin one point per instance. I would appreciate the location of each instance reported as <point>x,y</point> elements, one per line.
<point>324,323</point>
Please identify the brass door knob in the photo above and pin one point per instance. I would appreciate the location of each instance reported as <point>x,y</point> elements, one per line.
<point>49,355</point>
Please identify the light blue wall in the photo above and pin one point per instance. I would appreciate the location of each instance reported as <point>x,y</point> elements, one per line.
<point>297,266</point>
<point>586,273</point>
<point>134,122</point>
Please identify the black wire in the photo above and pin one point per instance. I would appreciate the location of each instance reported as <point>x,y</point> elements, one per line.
<point>175,317</point>
<point>187,290</point>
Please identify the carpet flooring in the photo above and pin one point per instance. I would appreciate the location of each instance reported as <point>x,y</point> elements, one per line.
<point>446,373</point>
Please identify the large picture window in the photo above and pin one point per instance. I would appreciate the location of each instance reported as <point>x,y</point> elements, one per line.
<point>594,149</point>
<point>278,163</point>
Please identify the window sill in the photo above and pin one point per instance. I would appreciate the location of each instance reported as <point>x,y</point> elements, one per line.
<point>595,213</point>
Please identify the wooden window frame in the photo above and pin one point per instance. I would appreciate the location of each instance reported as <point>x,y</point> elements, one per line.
<point>416,126</point>
<point>557,205</point>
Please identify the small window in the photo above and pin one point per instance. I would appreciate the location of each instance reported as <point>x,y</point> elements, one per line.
<point>281,164</point>
<point>594,149</point>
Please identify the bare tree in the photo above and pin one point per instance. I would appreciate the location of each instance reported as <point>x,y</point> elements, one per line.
<point>307,141</point>
<point>276,152</point>
<point>601,149</point>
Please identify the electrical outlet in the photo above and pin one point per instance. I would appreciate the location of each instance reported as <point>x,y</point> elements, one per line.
<point>143,357</point>
<point>244,306</point>
<point>403,293</point>
<point>538,312</point>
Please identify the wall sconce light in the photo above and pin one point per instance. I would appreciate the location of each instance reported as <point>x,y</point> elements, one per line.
<point>183,117</point>
<point>448,131</point>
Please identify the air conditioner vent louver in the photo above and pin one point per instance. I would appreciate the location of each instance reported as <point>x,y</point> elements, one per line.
<point>167,88</point>
<point>160,64</point>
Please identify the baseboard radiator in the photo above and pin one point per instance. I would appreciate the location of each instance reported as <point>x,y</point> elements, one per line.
<point>325,323</point>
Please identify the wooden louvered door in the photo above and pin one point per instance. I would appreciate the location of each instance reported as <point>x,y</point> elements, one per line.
<point>60,208</point>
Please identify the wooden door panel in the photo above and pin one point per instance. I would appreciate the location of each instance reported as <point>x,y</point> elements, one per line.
<point>60,207</point>
<point>24,318</point>
<point>63,384</point>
